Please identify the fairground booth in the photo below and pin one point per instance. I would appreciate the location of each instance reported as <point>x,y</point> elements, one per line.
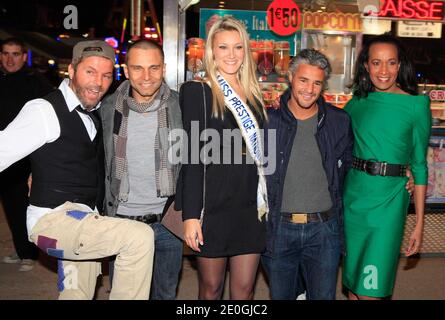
<point>280,29</point>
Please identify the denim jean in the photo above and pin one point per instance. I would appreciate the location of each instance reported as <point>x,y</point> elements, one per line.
<point>167,264</point>
<point>311,251</point>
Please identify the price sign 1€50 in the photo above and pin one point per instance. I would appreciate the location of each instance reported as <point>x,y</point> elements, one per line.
<point>283,17</point>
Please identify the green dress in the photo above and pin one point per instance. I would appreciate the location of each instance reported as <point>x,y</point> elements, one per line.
<point>387,127</point>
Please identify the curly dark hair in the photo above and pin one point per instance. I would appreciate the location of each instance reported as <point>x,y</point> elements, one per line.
<point>406,77</point>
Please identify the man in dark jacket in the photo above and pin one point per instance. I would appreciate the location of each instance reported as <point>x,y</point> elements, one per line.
<point>313,144</point>
<point>18,84</point>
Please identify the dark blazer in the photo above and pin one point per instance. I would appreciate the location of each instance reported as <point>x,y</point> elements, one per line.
<point>220,178</point>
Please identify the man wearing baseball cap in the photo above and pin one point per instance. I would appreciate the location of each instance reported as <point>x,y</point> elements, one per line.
<point>63,138</point>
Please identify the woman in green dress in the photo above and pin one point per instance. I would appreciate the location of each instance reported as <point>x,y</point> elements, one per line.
<point>391,125</point>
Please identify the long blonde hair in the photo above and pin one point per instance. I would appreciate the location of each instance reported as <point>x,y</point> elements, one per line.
<point>246,74</point>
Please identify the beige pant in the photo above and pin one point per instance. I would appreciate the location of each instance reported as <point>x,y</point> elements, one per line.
<point>76,236</point>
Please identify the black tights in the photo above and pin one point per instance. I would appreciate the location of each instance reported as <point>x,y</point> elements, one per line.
<point>212,271</point>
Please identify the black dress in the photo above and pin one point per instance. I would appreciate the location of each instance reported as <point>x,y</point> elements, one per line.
<point>230,225</point>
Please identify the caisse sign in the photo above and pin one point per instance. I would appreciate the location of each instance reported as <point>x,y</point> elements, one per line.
<point>408,9</point>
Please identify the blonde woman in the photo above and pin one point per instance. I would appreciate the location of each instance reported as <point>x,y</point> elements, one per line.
<point>233,231</point>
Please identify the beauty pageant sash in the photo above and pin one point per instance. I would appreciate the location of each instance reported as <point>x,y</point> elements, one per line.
<point>252,137</point>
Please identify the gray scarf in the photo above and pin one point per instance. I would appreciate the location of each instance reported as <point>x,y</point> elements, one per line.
<point>164,172</point>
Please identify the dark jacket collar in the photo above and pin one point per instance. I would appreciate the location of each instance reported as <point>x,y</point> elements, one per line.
<point>289,117</point>
<point>25,70</point>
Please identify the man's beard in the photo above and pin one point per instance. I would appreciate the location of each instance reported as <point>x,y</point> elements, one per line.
<point>87,105</point>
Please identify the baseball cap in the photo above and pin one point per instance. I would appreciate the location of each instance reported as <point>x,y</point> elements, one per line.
<point>90,48</point>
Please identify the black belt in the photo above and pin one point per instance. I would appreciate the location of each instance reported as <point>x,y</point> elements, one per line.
<point>375,168</point>
<point>303,218</point>
<point>148,218</point>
